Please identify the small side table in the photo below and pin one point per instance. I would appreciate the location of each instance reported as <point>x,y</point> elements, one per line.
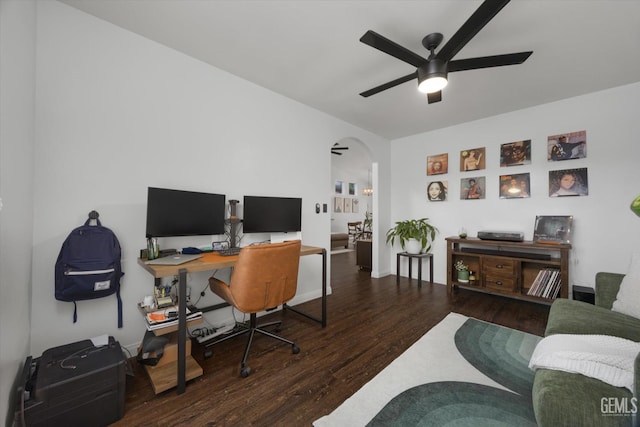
<point>584,293</point>
<point>419,257</point>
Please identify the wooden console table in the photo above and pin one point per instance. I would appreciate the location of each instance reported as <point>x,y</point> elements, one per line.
<point>508,268</point>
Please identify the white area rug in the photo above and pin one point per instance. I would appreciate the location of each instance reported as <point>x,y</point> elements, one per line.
<point>443,385</point>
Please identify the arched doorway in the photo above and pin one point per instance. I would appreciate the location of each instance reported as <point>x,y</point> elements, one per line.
<point>351,188</point>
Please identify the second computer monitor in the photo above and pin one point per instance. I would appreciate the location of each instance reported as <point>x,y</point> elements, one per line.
<point>274,215</point>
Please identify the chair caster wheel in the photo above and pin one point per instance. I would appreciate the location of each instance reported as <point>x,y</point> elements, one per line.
<point>295,349</point>
<point>245,371</point>
<point>208,354</point>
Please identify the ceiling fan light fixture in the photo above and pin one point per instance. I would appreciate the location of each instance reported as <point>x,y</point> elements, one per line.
<point>432,84</point>
<point>432,77</point>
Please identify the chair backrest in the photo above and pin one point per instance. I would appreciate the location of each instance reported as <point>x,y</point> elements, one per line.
<point>354,226</point>
<point>265,276</point>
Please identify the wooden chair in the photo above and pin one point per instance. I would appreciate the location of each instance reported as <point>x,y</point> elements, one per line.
<point>354,230</point>
<point>264,277</point>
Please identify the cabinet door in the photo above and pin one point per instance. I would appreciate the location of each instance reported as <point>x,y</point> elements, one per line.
<point>363,254</point>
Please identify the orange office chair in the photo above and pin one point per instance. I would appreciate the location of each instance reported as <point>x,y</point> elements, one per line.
<point>264,277</point>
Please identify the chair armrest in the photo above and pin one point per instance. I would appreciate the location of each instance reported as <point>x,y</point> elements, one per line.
<point>607,286</point>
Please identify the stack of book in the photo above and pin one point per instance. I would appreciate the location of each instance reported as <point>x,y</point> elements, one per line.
<point>167,316</point>
<point>546,284</point>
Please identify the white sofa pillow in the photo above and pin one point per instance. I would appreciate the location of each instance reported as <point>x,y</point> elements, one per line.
<point>628,298</point>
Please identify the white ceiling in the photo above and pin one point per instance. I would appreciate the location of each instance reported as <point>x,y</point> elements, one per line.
<point>309,51</point>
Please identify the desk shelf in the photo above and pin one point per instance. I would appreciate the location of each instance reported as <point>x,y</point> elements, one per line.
<point>165,377</point>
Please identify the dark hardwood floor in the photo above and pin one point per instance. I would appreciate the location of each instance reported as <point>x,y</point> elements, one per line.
<point>370,323</point>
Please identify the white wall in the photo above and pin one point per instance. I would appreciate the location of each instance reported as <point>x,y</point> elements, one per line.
<point>605,230</point>
<point>17,103</point>
<point>117,113</point>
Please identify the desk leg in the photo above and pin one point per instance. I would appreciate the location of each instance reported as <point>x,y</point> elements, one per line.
<point>324,287</point>
<point>323,320</point>
<point>182,330</point>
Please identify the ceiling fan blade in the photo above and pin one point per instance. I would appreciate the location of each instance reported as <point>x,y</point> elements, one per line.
<point>389,47</point>
<point>488,61</point>
<point>339,148</point>
<point>390,84</point>
<point>336,153</point>
<point>434,97</point>
<point>469,29</point>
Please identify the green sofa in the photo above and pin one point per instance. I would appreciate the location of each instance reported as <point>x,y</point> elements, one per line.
<point>565,399</point>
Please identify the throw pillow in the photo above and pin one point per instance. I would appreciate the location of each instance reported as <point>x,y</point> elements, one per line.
<point>628,297</point>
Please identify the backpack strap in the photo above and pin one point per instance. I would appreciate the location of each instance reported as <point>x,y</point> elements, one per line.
<point>75,310</point>
<point>119,308</point>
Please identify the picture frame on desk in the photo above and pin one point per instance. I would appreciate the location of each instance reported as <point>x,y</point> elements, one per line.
<point>552,229</point>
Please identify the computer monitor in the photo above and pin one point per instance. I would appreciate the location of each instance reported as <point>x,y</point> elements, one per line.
<point>271,214</point>
<point>184,213</point>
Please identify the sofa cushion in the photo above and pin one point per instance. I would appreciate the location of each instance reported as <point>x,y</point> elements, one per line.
<point>628,297</point>
<point>566,399</point>
<point>576,317</point>
<point>607,287</point>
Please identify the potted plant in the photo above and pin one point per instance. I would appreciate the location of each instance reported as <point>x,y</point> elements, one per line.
<point>415,235</point>
<point>463,271</point>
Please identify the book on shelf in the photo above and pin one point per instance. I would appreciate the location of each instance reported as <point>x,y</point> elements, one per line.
<point>167,316</point>
<point>546,284</point>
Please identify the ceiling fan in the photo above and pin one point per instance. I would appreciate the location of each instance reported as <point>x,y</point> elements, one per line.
<point>432,71</point>
<point>335,149</point>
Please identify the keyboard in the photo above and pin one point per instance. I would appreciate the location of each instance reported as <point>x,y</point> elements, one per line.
<point>230,251</point>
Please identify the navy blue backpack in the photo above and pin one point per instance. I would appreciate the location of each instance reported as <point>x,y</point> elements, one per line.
<point>88,265</point>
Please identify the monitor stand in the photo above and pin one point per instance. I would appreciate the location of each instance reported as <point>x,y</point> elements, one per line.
<point>285,236</point>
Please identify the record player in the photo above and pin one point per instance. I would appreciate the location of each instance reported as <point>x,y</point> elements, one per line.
<point>509,236</point>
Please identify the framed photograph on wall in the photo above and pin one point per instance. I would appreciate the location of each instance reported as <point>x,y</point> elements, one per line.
<point>472,159</point>
<point>568,182</point>
<point>338,205</point>
<point>515,153</point>
<point>347,205</point>
<point>552,229</point>
<point>438,164</point>
<point>338,187</point>
<point>515,186</point>
<point>437,191</point>
<point>472,188</point>
<point>353,189</point>
<point>567,146</point>
<point>355,206</point>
